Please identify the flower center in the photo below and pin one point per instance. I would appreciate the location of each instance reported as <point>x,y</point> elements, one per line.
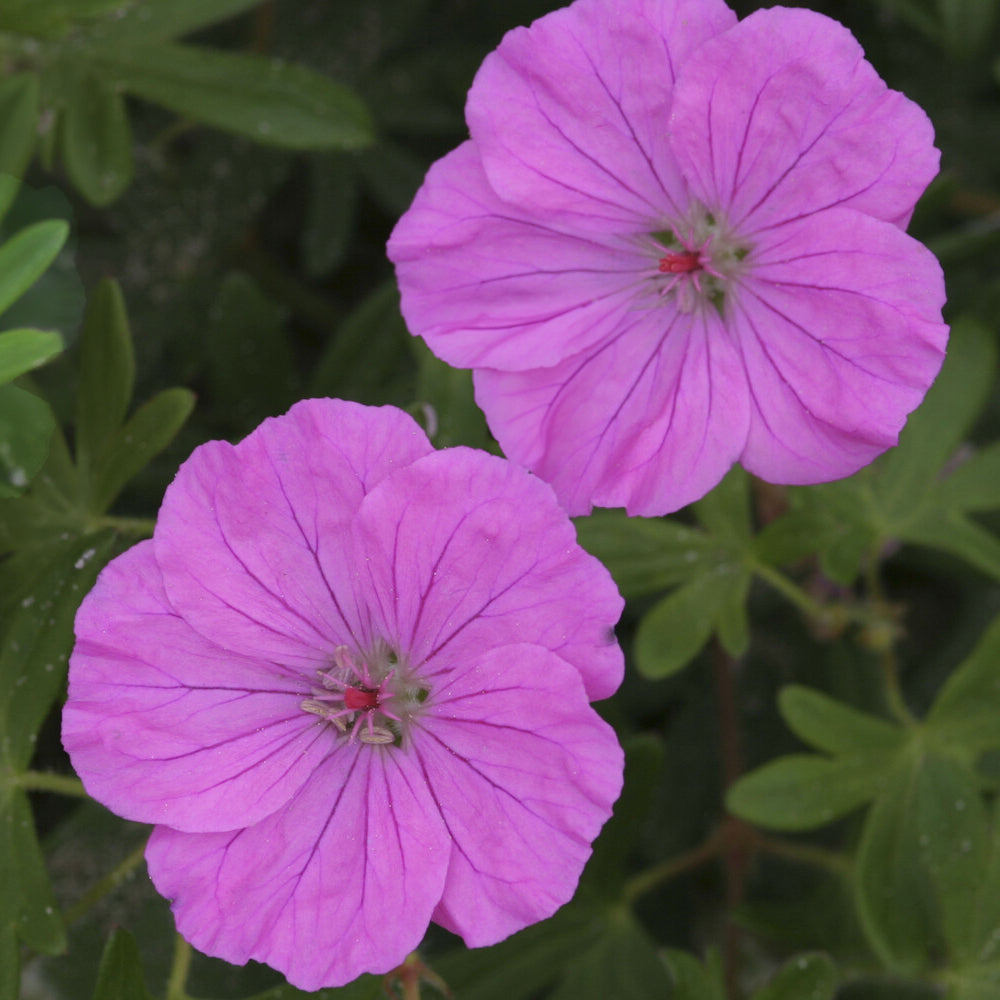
<point>696,260</point>
<point>354,694</point>
<point>680,262</point>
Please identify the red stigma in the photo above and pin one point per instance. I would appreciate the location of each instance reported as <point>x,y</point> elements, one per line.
<point>680,262</point>
<point>360,699</point>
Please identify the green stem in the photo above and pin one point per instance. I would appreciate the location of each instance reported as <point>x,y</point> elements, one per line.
<point>807,854</point>
<point>670,868</point>
<point>895,701</point>
<point>791,590</point>
<point>141,526</point>
<point>179,970</point>
<point>107,884</point>
<point>43,781</point>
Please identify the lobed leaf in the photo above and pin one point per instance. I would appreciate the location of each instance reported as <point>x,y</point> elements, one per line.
<point>38,637</point>
<point>154,20</point>
<point>524,964</point>
<point>644,555</point>
<point>107,375</point>
<point>830,725</point>
<point>967,708</point>
<point>120,975</point>
<point>725,511</point>
<point>149,430</point>
<point>452,416</point>
<point>804,791</point>
<point>23,350</point>
<point>805,977</point>
<point>96,139</point>
<point>26,255</point>
<point>269,101</point>
<point>251,369</point>
<point>28,909</point>
<point>676,628</point>
<point>950,826</point>
<point>623,962</point>
<point>19,97</point>
<point>694,981</point>
<point>26,426</point>
<point>643,767</point>
<point>952,532</point>
<point>892,891</point>
<point>936,428</point>
<point>975,484</point>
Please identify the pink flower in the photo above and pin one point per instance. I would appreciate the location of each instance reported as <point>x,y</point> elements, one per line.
<point>675,242</point>
<point>349,680</point>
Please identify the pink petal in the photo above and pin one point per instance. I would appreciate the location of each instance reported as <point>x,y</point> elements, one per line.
<point>486,284</point>
<point>649,421</point>
<point>248,537</point>
<point>165,727</point>
<point>781,116</point>
<point>463,551</point>
<point>570,114</point>
<point>341,882</point>
<point>840,328</point>
<point>524,773</point>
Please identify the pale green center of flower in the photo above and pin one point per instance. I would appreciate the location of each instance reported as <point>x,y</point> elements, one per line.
<point>697,261</point>
<point>370,698</point>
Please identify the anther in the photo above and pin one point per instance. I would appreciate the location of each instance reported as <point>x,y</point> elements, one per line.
<point>680,262</point>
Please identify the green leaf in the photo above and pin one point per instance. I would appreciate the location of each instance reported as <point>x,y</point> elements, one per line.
<point>120,975</point>
<point>839,517</point>
<point>805,977</point>
<point>107,375</point>
<point>694,981</point>
<point>96,139</point>
<point>26,255</point>
<point>26,425</point>
<point>937,427</point>
<point>10,957</point>
<point>975,484</point>
<point>675,629</point>
<point>522,965</point>
<point>23,350</point>
<point>9,187</point>
<point>38,637</point>
<point>984,932</point>
<point>251,369</point>
<point>967,26</point>
<point>447,395</point>
<point>967,708</point>
<point>830,725</point>
<point>953,532</point>
<point>977,982</point>
<point>363,356</point>
<point>733,622</point>
<point>274,103</point>
<point>622,963</point>
<point>150,429</point>
<point>333,207</point>
<point>953,836</point>
<point>804,791</point>
<point>27,905</point>
<point>154,20</point>
<point>645,555</point>
<point>392,174</point>
<point>363,988</point>
<point>893,893</point>
<point>18,122</point>
<point>725,511</point>
<point>643,766</point>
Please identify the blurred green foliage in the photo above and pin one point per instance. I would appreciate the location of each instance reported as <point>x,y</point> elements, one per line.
<point>811,712</point>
